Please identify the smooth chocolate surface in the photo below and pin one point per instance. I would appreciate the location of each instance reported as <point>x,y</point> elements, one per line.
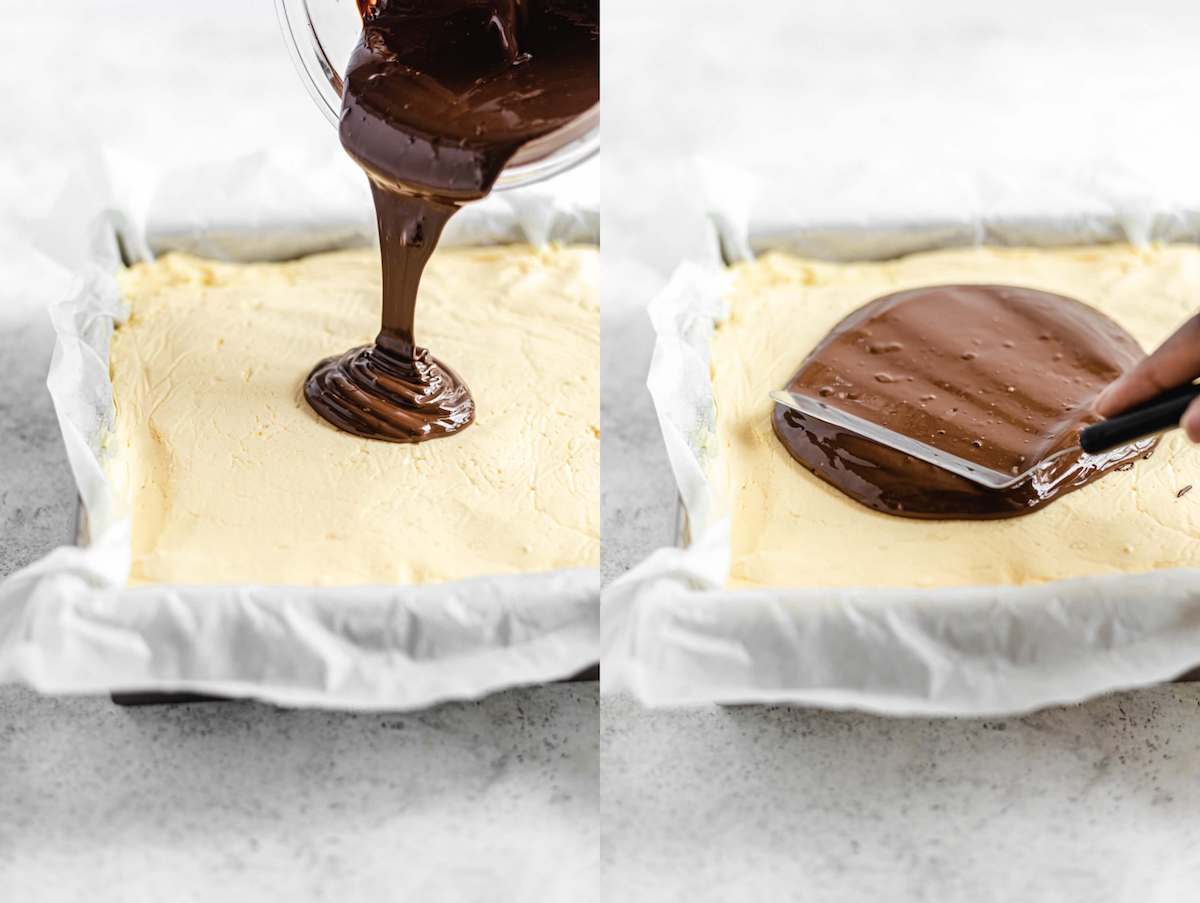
<point>439,95</point>
<point>1000,375</point>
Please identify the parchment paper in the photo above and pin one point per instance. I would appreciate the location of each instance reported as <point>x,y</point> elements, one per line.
<point>68,624</point>
<point>672,634</point>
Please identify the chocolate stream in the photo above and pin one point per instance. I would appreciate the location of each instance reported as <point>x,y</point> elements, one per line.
<point>439,95</point>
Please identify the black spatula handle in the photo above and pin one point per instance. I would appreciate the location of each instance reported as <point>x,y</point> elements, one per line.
<point>1154,416</point>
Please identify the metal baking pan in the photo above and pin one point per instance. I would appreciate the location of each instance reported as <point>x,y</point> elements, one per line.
<point>846,243</point>
<point>81,535</point>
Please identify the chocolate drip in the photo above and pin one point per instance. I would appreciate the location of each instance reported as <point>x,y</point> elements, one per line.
<point>439,95</point>
<point>1002,376</point>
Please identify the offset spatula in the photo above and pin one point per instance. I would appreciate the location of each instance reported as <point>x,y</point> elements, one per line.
<point>1155,416</point>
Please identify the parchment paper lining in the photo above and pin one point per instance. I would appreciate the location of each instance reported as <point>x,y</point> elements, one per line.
<point>672,634</point>
<point>68,624</point>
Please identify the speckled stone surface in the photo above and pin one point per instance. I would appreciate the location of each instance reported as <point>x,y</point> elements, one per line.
<point>488,801</point>
<point>37,501</point>
<point>1094,803</point>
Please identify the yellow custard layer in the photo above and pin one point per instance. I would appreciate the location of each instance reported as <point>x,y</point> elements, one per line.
<point>792,529</point>
<point>231,478</point>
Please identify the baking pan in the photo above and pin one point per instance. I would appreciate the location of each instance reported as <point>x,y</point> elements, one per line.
<point>672,637</point>
<point>60,671</point>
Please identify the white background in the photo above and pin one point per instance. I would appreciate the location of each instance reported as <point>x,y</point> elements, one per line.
<point>868,109</point>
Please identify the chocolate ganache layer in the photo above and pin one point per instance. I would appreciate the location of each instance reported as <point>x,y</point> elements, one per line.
<point>439,95</point>
<point>1002,376</point>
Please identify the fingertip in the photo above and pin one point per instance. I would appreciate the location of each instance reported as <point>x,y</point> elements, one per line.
<point>1104,404</point>
<point>1190,422</point>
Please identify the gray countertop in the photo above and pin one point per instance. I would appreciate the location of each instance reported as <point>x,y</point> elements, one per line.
<point>1094,803</point>
<point>494,800</point>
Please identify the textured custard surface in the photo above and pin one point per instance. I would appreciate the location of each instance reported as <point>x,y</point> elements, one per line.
<point>792,529</point>
<point>231,478</point>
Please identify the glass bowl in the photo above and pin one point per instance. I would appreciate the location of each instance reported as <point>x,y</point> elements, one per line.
<point>320,32</point>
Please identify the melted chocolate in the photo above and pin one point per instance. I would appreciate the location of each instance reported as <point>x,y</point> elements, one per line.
<point>439,96</point>
<point>1004,377</point>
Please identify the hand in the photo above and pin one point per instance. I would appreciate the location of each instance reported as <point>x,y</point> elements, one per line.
<point>1177,361</point>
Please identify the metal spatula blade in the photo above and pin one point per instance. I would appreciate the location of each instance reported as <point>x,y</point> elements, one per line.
<point>976,473</point>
